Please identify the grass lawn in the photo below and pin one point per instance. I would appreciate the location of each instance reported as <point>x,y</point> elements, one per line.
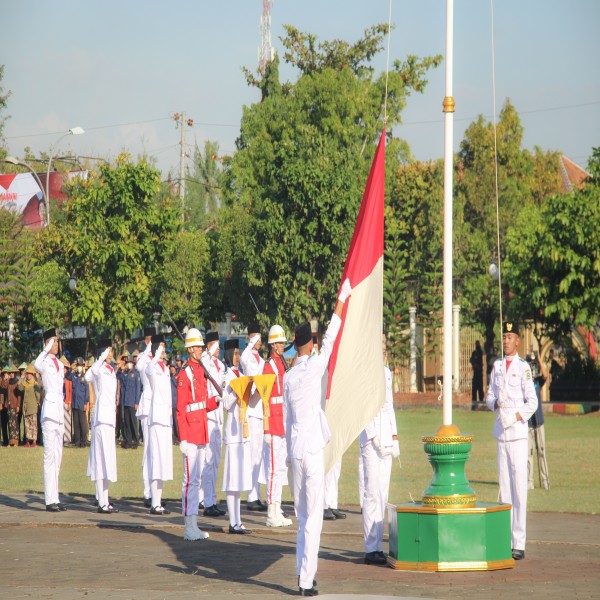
<point>573,448</point>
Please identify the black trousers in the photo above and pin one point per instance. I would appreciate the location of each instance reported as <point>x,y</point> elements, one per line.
<point>130,426</point>
<point>4,425</point>
<point>80,427</point>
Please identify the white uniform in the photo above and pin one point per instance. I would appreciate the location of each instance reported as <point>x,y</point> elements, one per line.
<point>514,392</point>
<point>53,376</point>
<point>307,434</point>
<point>253,364</point>
<point>212,454</point>
<point>142,413</point>
<point>376,443</point>
<point>237,467</point>
<point>102,463</point>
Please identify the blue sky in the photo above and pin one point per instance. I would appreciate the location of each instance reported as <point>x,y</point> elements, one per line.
<point>120,69</point>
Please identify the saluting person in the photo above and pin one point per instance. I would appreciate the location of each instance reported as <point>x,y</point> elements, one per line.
<point>253,364</point>
<point>237,469</point>
<point>102,464</point>
<point>212,456</point>
<point>143,410</point>
<point>192,407</point>
<point>52,417</point>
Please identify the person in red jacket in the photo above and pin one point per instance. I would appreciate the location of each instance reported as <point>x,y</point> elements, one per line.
<point>193,404</point>
<point>275,449</point>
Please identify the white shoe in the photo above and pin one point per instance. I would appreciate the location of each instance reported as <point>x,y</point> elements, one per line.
<point>272,517</point>
<point>191,531</point>
<point>285,522</point>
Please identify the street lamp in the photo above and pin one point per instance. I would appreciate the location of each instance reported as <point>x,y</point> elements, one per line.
<point>74,131</point>
<point>72,283</point>
<point>15,161</point>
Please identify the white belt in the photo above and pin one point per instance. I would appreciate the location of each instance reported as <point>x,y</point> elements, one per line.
<point>277,400</point>
<point>195,406</point>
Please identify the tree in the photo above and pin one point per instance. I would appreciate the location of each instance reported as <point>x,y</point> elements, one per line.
<point>553,262</point>
<point>188,263</point>
<point>294,186</point>
<point>50,295</point>
<point>113,235</point>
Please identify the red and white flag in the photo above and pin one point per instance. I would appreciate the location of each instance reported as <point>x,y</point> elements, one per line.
<point>356,385</point>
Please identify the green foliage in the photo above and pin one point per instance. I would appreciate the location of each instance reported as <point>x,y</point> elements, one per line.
<point>553,261</point>
<point>113,236</point>
<point>187,264</point>
<point>594,165</point>
<point>294,186</point>
<point>50,296</point>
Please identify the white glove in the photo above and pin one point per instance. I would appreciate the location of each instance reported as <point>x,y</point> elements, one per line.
<point>159,351</point>
<point>104,354</point>
<point>346,291</point>
<point>377,445</point>
<point>395,449</point>
<point>214,349</point>
<point>49,345</point>
<point>507,418</point>
<point>183,447</point>
<point>267,438</point>
<point>254,339</point>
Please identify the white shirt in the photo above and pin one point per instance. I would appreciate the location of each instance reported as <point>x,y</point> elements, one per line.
<point>307,430</point>
<point>253,364</point>
<point>53,379</point>
<point>514,392</point>
<point>383,425</point>
<point>161,405</point>
<point>104,379</point>
<point>143,409</point>
<point>217,371</point>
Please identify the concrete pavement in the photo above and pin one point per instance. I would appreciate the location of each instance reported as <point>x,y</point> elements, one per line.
<point>133,554</point>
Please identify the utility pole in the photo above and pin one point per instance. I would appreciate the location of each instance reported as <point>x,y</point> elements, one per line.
<point>266,52</point>
<point>181,121</point>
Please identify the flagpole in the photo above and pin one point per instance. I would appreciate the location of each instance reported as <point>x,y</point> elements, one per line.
<point>448,169</point>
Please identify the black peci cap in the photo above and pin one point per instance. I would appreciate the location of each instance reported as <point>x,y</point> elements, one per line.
<point>211,336</point>
<point>303,335</point>
<point>231,344</point>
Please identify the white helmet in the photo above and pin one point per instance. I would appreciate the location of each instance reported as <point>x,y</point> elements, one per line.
<point>193,338</point>
<point>276,334</point>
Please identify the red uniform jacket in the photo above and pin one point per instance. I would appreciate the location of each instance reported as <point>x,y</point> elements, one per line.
<point>193,422</point>
<point>275,425</point>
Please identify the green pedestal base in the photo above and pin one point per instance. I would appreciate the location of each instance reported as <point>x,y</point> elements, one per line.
<point>424,538</point>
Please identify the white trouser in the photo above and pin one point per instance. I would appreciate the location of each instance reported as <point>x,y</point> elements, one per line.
<point>537,445</point>
<point>255,428</point>
<point>145,456</point>
<point>233,508</point>
<point>308,477</point>
<point>332,480</point>
<point>192,471</point>
<point>53,447</point>
<point>275,456</point>
<point>156,488</point>
<point>377,471</point>
<point>361,479</point>
<point>512,479</point>
<point>212,460</point>
<point>102,492</point>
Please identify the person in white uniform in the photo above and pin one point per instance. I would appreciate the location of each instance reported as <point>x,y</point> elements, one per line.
<point>378,446</point>
<point>512,396</point>
<point>160,426</point>
<point>253,364</point>
<point>53,425</point>
<point>143,410</point>
<point>237,467</point>
<point>212,456</point>
<point>307,434</point>
<point>102,463</point>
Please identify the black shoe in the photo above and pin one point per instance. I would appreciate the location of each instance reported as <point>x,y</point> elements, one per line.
<point>61,507</point>
<point>148,502</point>
<point>106,510</point>
<point>263,507</point>
<point>518,554</point>
<point>201,506</point>
<point>313,591</point>
<point>255,506</point>
<point>239,530</point>
<point>212,511</point>
<point>159,510</point>
<point>374,558</point>
<point>52,508</point>
<point>113,508</point>
<point>328,515</point>
<point>338,514</point>
<point>223,512</point>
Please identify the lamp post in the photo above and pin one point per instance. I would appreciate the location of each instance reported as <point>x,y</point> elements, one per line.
<point>15,161</point>
<point>74,131</point>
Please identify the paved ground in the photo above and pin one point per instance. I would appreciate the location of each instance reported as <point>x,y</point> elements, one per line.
<point>135,555</point>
